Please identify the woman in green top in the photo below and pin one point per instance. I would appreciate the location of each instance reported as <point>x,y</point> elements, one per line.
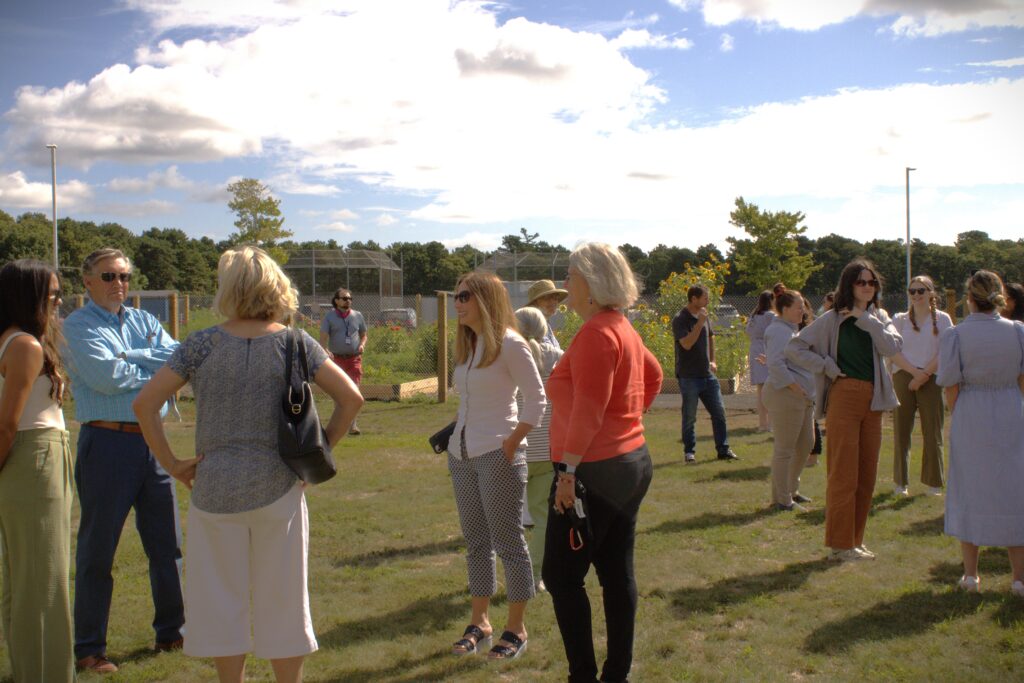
<point>855,389</point>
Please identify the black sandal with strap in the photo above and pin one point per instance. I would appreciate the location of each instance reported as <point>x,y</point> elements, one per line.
<point>471,638</point>
<point>515,647</point>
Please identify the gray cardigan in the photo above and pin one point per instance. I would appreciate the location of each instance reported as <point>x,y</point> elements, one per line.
<point>781,371</point>
<point>816,348</point>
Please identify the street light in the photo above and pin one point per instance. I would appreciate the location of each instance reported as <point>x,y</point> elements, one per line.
<point>909,169</point>
<point>53,169</point>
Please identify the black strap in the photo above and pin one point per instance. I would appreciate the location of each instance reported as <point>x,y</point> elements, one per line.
<point>295,339</point>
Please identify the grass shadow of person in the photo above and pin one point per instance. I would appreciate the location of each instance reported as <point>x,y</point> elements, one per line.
<point>707,520</point>
<point>926,527</point>
<point>907,615</point>
<point>399,672</point>
<point>760,473</point>
<point>375,558</point>
<point>881,502</point>
<point>434,613</point>
<point>735,590</point>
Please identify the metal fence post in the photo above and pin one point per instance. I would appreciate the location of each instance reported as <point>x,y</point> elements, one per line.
<point>172,313</point>
<point>185,305</point>
<point>442,347</point>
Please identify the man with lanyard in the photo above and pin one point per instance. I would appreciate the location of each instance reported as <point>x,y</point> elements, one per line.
<point>545,296</point>
<point>695,370</point>
<point>343,334</point>
<point>111,352</point>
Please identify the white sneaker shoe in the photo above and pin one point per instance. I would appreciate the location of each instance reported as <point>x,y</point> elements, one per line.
<point>1017,588</point>
<point>972,584</point>
<point>934,491</point>
<point>898,490</point>
<point>847,555</point>
<point>868,555</point>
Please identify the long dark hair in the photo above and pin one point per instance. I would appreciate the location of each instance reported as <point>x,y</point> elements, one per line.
<point>933,299</point>
<point>1015,291</point>
<point>851,273</point>
<point>25,303</point>
<point>764,303</point>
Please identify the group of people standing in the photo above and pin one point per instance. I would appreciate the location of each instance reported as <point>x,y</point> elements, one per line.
<point>853,363</point>
<point>551,437</point>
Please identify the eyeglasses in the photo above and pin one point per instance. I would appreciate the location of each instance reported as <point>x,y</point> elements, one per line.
<point>110,277</point>
<point>55,295</point>
<point>866,283</point>
<point>464,296</point>
<point>343,298</point>
<point>916,290</point>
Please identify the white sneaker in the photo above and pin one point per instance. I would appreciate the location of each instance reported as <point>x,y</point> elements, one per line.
<point>690,458</point>
<point>1017,588</point>
<point>847,555</point>
<point>934,490</point>
<point>898,490</point>
<point>972,584</point>
<point>868,555</point>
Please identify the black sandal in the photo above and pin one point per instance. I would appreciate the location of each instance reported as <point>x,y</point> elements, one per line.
<point>511,651</point>
<point>471,637</point>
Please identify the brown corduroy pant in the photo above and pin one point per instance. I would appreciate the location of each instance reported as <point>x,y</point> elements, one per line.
<point>854,440</point>
<point>928,402</point>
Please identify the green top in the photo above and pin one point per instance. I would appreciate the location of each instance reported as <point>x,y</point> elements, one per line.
<point>856,353</point>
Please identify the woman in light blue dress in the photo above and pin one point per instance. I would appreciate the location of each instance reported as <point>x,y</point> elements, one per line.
<point>981,365</point>
<point>757,323</point>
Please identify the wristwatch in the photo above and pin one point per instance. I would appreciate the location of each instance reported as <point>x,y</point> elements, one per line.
<point>564,467</point>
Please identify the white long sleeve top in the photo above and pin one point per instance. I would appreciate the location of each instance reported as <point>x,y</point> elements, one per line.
<point>487,406</point>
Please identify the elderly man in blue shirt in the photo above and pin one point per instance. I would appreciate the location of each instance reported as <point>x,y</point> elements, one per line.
<point>111,352</point>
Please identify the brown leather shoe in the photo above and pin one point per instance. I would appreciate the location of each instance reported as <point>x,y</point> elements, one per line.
<point>167,647</point>
<point>98,664</point>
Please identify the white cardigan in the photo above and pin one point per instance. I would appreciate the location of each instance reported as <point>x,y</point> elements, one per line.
<point>487,409</point>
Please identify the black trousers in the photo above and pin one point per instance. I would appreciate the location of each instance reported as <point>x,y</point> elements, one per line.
<point>615,489</point>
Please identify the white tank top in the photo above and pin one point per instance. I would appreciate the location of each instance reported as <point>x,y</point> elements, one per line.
<point>41,411</point>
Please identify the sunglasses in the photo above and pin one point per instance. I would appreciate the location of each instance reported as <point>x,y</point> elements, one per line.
<point>110,277</point>
<point>866,283</point>
<point>916,290</point>
<point>344,298</point>
<point>55,294</point>
<point>464,296</point>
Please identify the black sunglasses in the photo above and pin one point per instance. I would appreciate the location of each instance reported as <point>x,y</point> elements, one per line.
<point>866,283</point>
<point>464,296</point>
<point>109,277</point>
<point>917,290</point>
<point>55,294</point>
<point>343,298</point>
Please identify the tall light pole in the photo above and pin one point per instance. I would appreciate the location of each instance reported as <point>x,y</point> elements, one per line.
<point>53,169</point>
<point>909,169</point>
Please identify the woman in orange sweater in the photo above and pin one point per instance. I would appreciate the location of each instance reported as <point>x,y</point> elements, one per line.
<point>598,393</point>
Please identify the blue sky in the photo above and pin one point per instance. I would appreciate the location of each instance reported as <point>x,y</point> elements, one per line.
<point>463,121</point>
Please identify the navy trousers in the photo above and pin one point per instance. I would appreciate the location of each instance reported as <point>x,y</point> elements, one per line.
<point>115,472</point>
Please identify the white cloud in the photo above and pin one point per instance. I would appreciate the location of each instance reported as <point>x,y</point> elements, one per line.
<point>385,219</point>
<point>484,241</point>
<point>150,207</point>
<point>168,178</point>
<point>337,226</point>
<point>642,38</point>
<point>1001,63</point>
<point>912,17</point>
<point>344,215</point>
<point>17,192</point>
<point>727,43</point>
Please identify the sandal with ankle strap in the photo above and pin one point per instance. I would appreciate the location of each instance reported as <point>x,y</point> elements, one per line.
<point>472,637</point>
<point>515,647</point>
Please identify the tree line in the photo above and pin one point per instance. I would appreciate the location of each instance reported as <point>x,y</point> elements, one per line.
<point>775,248</point>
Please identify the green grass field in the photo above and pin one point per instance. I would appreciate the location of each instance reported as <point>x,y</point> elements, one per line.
<point>729,592</point>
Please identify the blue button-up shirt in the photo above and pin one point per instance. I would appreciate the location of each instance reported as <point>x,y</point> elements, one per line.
<point>109,357</point>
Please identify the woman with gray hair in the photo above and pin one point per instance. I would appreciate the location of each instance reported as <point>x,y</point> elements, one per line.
<point>598,394</point>
<point>534,329</point>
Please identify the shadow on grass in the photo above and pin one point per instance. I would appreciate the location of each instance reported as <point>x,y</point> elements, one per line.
<point>708,520</point>
<point>882,502</point>
<point>399,672</point>
<point>994,563</point>
<point>905,616</point>
<point>926,527</point>
<point>378,557</point>
<point>739,589</point>
<point>761,473</point>
<point>435,613</point>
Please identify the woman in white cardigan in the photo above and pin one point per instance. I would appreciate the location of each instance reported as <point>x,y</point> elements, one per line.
<point>487,457</point>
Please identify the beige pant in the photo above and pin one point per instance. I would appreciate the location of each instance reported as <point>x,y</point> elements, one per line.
<point>928,402</point>
<point>793,428</point>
